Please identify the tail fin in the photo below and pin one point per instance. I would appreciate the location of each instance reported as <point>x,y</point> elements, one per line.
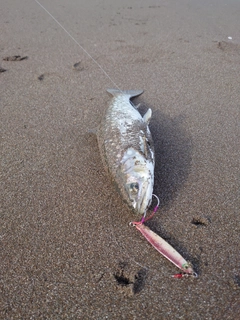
<point>129,93</point>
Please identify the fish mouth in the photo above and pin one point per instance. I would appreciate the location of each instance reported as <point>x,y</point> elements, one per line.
<point>144,199</point>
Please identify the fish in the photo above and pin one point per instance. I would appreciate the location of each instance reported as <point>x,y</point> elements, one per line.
<point>127,150</point>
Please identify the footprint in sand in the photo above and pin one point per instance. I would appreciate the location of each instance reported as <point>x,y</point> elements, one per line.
<point>129,282</point>
<point>2,70</point>
<point>15,58</point>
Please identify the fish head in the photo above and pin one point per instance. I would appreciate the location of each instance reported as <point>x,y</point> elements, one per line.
<point>137,176</point>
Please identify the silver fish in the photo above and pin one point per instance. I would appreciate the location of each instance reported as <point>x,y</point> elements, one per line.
<point>127,150</point>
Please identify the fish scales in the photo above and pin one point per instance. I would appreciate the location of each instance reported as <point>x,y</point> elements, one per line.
<point>127,150</point>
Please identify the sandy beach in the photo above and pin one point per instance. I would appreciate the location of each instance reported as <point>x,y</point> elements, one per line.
<point>66,248</point>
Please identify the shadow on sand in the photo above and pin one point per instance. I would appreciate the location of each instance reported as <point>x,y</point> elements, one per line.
<point>173,149</point>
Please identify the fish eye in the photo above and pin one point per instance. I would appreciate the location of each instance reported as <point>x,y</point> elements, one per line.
<point>134,187</point>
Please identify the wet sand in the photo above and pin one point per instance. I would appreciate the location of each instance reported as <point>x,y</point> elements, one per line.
<point>67,251</point>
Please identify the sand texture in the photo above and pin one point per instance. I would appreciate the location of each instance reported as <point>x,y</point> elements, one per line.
<point>66,249</point>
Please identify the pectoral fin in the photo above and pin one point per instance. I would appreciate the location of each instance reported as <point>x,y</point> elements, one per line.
<point>148,115</point>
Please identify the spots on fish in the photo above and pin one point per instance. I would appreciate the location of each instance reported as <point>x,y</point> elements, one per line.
<point>142,144</point>
<point>129,152</point>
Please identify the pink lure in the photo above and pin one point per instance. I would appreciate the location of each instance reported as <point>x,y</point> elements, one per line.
<point>165,249</point>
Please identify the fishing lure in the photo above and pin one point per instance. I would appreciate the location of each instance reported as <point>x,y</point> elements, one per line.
<point>163,247</point>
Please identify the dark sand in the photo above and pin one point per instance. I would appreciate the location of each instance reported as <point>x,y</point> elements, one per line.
<point>67,251</point>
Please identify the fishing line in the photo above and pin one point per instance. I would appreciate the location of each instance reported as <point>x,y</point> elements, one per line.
<point>78,44</point>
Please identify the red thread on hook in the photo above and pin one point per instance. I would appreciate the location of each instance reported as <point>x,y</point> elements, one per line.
<point>144,219</point>
<point>153,213</point>
<point>178,275</point>
<point>148,218</point>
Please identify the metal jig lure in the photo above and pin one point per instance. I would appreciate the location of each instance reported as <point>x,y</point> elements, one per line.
<point>163,247</point>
